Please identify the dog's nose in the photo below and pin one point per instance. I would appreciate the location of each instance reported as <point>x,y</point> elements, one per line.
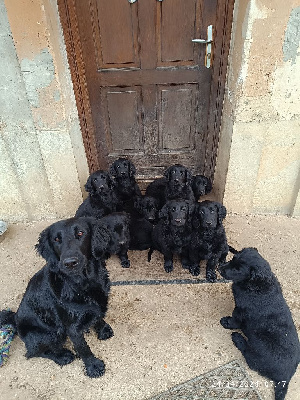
<point>70,262</point>
<point>208,223</point>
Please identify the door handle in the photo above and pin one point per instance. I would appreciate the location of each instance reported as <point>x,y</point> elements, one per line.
<point>208,42</point>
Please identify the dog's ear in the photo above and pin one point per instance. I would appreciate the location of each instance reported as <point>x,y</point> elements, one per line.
<point>167,173</point>
<point>164,212</point>
<point>89,187</point>
<point>112,169</point>
<point>196,221</point>
<point>110,181</point>
<point>261,274</point>
<point>221,212</point>
<point>138,203</point>
<point>191,206</point>
<point>131,168</point>
<point>188,177</point>
<point>100,240</point>
<point>208,186</point>
<point>43,246</point>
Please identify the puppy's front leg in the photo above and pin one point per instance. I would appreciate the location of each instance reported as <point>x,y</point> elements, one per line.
<point>104,330</point>
<point>233,322</point>
<point>123,256</point>
<point>168,263</point>
<point>211,275</point>
<point>93,366</point>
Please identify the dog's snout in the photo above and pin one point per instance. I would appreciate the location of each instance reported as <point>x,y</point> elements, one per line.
<point>70,262</point>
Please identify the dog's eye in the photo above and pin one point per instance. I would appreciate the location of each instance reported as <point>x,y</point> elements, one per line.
<point>212,211</point>
<point>95,179</point>
<point>57,239</point>
<point>79,234</point>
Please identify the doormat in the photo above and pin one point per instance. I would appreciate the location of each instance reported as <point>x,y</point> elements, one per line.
<point>229,381</point>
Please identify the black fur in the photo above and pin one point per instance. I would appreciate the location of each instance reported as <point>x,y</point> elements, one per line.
<point>66,297</point>
<point>208,239</point>
<point>176,184</point>
<point>117,225</point>
<point>272,345</point>
<point>173,232</point>
<point>102,198</point>
<point>127,189</point>
<point>201,186</point>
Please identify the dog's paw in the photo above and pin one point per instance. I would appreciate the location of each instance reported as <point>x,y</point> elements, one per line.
<point>194,270</point>
<point>125,263</point>
<point>95,368</point>
<point>239,341</point>
<point>211,276</point>
<point>225,322</point>
<point>105,333</point>
<point>66,357</point>
<point>168,265</point>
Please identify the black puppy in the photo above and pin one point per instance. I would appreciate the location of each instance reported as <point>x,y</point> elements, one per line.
<point>66,297</point>
<point>201,186</point>
<point>102,199</point>
<point>271,346</point>
<point>208,239</point>
<point>176,184</point>
<point>127,189</point>
<point>143,218</point>
<point>172,233</point>
<point>117,225</point>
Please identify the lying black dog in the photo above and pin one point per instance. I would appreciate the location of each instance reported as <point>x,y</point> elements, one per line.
<point>172,233</point>
<point>126,187</point>
<point>208,239</point>
<point>102,198</point>
<point>66,297</point>
<point>117,225</point>
<point>176,184</point>
<point>271,346</point>
<point>201,186</point>
<point>142,219</point>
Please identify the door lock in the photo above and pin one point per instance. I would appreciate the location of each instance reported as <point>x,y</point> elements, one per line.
<point>208,42</point>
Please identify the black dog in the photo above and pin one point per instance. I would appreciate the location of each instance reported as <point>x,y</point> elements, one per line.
<point>127,189</point>
<point>66,297</point>
<point>172,234</point>
<point>208,239</point>
<point>102,199</point>
<point>176,184</point>
<point>201,186</point>
<point>141,222</point>
<point>117,225</point>
<point>271,346</point>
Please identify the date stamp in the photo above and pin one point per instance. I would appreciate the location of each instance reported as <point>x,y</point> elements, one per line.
<point>245,384</point>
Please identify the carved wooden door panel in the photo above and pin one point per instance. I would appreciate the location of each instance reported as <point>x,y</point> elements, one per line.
<point>142,87</point>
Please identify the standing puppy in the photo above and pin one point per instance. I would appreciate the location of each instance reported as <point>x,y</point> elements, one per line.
<point>126,187</point>
<point>208,239</point>
<point>172,234</point>
<point>271,346</point>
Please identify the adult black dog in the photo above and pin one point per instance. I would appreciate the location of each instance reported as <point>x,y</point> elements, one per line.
<point>118,226</point>
<point>102,198</point>
<point>176,184</point>
<point>208,239</point>
<point>172,233</point>
<point>271,346</point>
<point>67,296</point>
<point>201,185</point>
<point>127,189</point>
<point>142,219</point>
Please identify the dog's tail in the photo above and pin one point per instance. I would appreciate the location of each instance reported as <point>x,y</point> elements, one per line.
<point>233,250</point>
<point>280,389</point>
<point>150,254</point>
<point>8,330</point>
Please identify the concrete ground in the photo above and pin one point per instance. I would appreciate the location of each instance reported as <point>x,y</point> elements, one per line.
<point>165,333</point>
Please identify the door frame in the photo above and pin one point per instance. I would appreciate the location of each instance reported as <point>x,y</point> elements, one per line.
<point>221,45</point>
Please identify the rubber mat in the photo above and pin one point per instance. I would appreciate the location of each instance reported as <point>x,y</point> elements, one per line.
<point>229,381</point>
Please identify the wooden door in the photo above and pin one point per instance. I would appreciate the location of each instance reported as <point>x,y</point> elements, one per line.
<point>142,87</point>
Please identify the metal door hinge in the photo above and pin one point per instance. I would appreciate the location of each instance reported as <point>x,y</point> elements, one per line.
<point>208,42</point>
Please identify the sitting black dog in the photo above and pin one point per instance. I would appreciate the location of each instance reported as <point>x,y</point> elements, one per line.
<point>271,346</point>
<point>172,234</point>
<point>176,184</point>
<point>102,198</point>
<point>201,185</point>
<point>142,219</point>
<point>66,297</point>
<point>126,187</point>
<point>117,225</point>
<point>208,239</point>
